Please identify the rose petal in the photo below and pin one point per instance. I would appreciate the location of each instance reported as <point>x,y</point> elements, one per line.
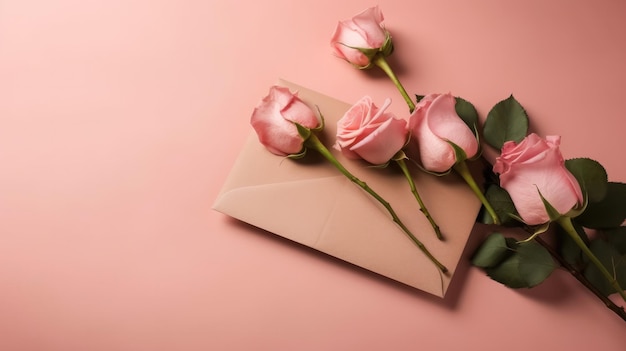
<point>535,166</point>
<point>383,143</point>
<point>275,133</point>
<point>446,124</point>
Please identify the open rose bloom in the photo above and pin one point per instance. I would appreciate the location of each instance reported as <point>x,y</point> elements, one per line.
<point>274,121</point>
<point>363,31</point>
<point>536,165</point>
<point>434,125</point>
<point>368,132</point>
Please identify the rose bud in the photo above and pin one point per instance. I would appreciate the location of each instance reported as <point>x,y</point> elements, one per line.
<point>368,132</point>
<point>275,118</point>
<point>535,168</point>
<point>362,37</point>
<point>434,125</point>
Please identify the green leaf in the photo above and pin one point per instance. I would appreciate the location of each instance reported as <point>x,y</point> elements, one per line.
<point>591,176</point>
<point>507,121</point>
<point>508,273</point>
<point>617,238</point>
<point>467,112</point>
<point>535,263</point>
<point>492,251</point>
<point>612,260</point>
<point>419,98</point>
<point>501,202</point>
<point>610,212</point>
<point>526,266</point>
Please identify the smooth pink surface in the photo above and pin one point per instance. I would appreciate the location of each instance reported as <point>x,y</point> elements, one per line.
<point>120,120</point>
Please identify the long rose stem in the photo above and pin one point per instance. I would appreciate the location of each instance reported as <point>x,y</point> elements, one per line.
<point>382,63</point>
<point>581,278</point>
<point>417,196</point>
<point>566,224</point>
<point>314,143</point>
<point>462,169</point>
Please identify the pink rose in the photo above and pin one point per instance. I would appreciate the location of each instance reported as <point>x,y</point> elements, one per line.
<point>434,124</point>
<point>368,132</point>
<point>532,166</point>
<point>363,31</point>
<point>274,121</point>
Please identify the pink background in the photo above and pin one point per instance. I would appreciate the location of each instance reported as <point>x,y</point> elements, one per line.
<point>120,120</point>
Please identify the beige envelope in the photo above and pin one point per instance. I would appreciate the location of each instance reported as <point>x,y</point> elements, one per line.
<point>310,202</point>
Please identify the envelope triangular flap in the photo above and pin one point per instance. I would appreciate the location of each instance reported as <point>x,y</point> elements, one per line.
<point>310,202</point>
<point>297,221</point>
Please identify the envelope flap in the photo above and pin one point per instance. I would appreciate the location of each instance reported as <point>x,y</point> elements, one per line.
<point>291,201</point>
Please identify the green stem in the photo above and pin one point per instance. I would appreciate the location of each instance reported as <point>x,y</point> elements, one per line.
<point>417,196</point>
<point>618,310</point>
<point>465,173</point>
<point>566,224</point>
<point>382,63</point>
<point>314,143</point>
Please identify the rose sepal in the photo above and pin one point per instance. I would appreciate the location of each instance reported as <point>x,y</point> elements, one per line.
<point>533,229</point>
<point>553,214</point>
<point>578,210</point>
<point>565,222</point>
<point>322,123</point>
<point>538,229</point>
<point>399,156</point>
<point>437,174</point>
<point>385,50</point>
<point>459,155</point>
<point>305,133</point>
<point>299,155</point>
<point>381,166</point>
